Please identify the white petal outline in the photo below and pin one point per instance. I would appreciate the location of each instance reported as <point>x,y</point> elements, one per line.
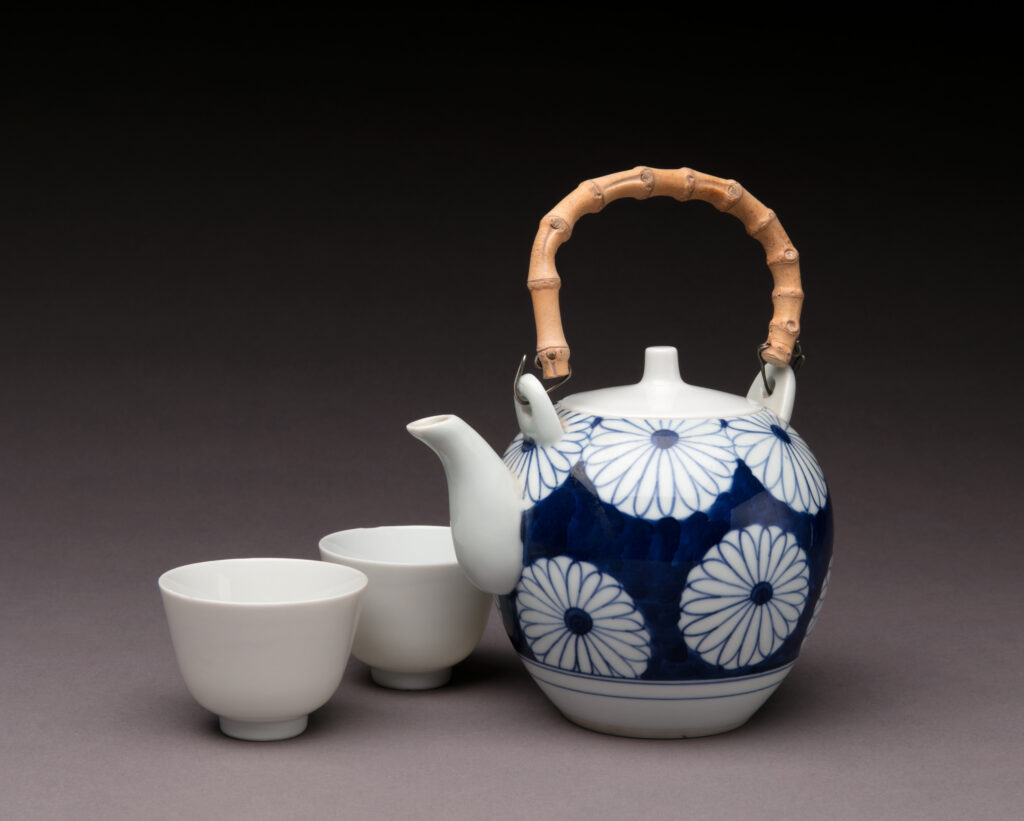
<point>651,482</point>
<point>788,470</point>
<point>542,468</point>
<point>718,616</point>
<point>618,642</point>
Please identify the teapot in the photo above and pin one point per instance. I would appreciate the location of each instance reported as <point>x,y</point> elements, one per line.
<point>659,551</point>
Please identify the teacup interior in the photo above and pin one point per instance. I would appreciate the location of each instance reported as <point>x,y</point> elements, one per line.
<point>413,545</point>
<point>262,581</point>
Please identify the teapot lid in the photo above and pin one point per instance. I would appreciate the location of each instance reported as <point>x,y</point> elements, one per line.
<point>661,394</point>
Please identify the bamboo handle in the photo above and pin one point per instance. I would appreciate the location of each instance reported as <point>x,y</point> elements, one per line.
<point>682,184</point>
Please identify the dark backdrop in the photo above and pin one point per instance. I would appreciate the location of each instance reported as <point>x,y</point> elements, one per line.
<point>230,282</point>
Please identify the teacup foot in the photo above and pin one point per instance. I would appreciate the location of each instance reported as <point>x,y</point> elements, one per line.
<point>411,681</point>
<point>263,730</point>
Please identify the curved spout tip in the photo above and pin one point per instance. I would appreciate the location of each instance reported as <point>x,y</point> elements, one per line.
<point>428,423</point>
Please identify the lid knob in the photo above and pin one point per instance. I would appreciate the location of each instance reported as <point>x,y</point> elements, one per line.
<point>661,365</point>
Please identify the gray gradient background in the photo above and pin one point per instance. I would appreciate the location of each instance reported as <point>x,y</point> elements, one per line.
<point>228,289</point>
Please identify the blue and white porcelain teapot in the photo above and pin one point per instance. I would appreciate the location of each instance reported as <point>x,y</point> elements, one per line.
<point>659,551</point>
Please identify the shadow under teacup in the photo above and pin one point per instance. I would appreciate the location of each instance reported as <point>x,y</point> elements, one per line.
<point>421,615</point>
<point>262,642</point>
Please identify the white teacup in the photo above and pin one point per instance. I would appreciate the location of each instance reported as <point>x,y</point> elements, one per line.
<point>421,615</point>
<point>262,642</point>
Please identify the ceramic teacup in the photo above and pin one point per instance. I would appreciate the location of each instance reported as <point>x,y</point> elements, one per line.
<point>421,615</point>
<point>262,642</point>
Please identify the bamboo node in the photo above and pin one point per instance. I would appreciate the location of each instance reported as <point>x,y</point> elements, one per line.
<point>768,220</point>
<point>647,178</point>
<point>596,192</point>
<point>789,327</point>
<point>691,183</point>
<point>557,224</point>
<point>787,256</point>
<point>545,284</point>
<point>551,360</point>
<point>733,194</point>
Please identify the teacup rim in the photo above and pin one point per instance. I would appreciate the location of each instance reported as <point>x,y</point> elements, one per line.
<point>361,579</point>
<point>446,564</point>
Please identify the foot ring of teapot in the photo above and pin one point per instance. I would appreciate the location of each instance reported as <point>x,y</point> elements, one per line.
<point>655,709</point>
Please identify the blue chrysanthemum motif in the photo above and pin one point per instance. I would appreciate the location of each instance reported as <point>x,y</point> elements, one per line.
<point>745,598</point>
<point>780,460</point>
<point>820,601</point>
<point>660,468</point>
<point>542,468</point>
<point>579,619</point>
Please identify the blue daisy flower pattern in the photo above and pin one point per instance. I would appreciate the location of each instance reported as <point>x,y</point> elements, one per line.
<point>780,460</point>
<point>659,468</point>
<point>579,619</point>
<point>745,597</point>
<point>539,468</point>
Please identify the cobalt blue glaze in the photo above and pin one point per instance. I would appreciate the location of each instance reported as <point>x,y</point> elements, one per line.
<point>571,532</point>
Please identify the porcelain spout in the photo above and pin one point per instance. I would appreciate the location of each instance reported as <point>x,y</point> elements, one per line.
<point>484,501</point>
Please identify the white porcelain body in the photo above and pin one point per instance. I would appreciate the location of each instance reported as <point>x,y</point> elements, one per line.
<point>262,642</point>
<point>673,545</point>
<point>420,615</point>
